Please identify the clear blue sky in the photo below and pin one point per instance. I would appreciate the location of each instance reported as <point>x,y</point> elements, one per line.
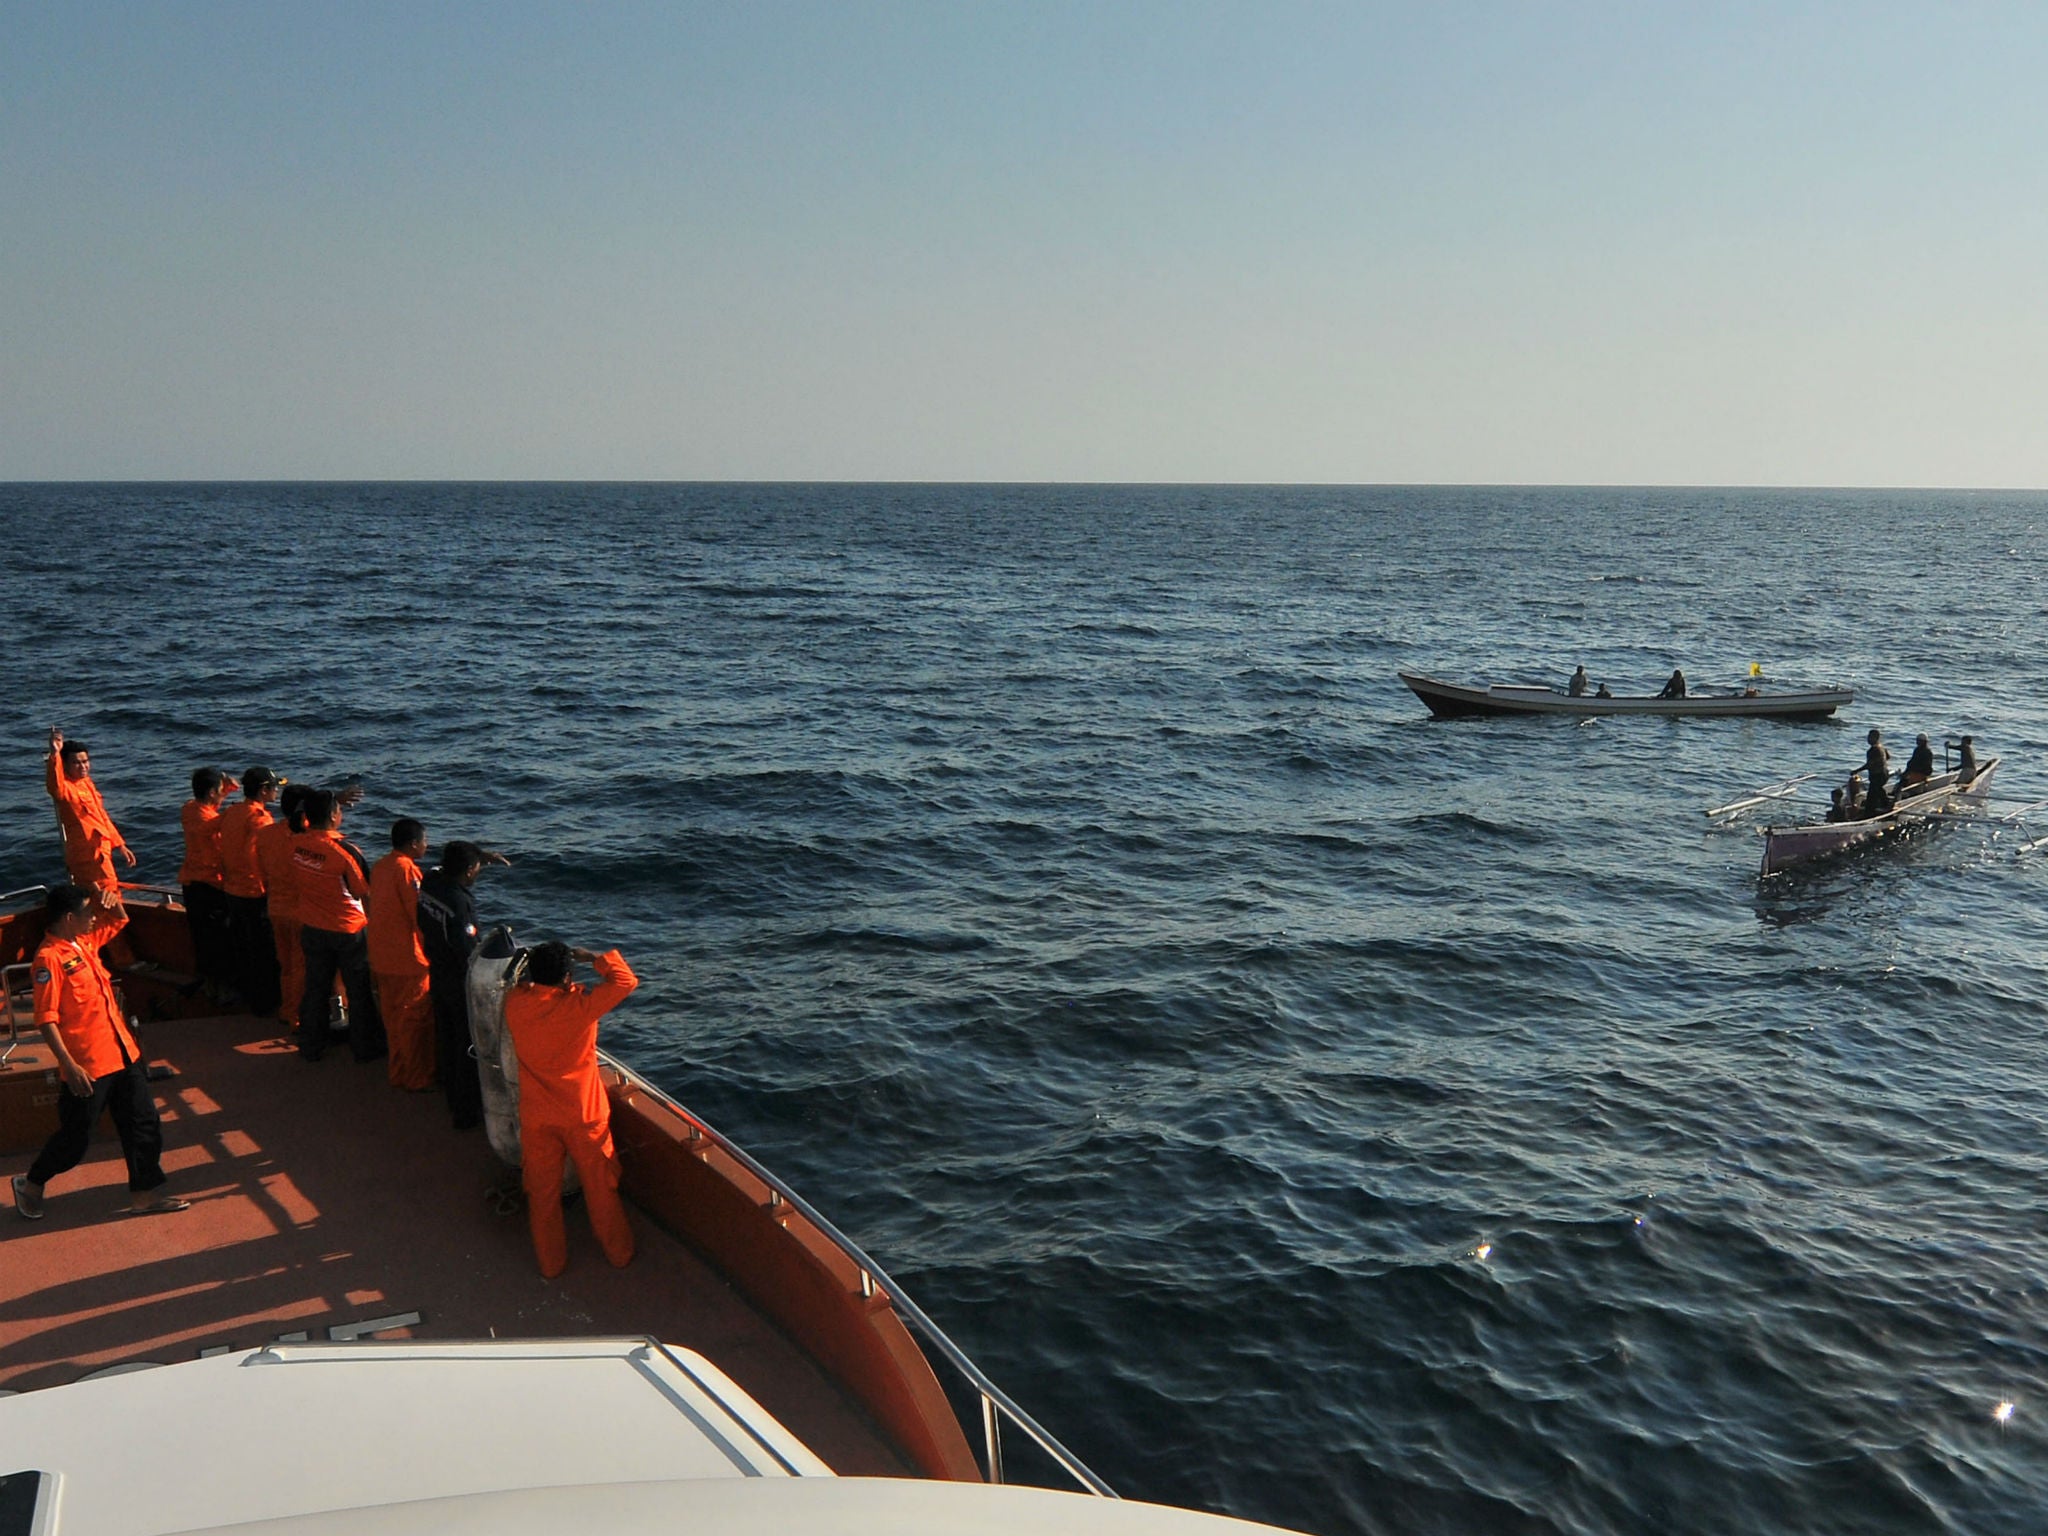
<point>1636,243</point>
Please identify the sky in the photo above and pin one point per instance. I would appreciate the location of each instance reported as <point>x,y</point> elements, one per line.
<point>1641,243</point>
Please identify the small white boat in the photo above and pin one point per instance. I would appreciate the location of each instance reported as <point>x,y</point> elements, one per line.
<point>1945,792</point>
<point>1451,701</point>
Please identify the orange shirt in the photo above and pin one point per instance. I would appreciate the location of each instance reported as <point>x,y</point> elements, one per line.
<point>88,830</point>
<point>331,885</point>
<point>395,917</point>
<point>280,880</point>
<point>554,1034</point>
<point>75,996</point>
<point>239,825</point>
<point>202,845</point>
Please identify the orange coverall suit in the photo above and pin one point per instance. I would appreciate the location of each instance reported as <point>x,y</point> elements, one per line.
<point>563,1112</point>
<point>90,840</point>
<point>398,966</point>
<point>281,892</point>
<point>251,947</point>
<point>206,897</point>
<point>332,890</point>
<point>75,998</point>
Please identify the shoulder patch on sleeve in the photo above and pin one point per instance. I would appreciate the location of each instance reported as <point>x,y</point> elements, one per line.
<point>42,975</point>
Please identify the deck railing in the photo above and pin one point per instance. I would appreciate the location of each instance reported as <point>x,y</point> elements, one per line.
<point>996,1404</point>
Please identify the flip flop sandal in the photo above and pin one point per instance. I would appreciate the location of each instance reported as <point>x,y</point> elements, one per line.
<point>159,1207</point>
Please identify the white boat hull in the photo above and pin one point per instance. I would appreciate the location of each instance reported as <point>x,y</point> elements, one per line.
<point>1786,846</point>
<point>1450,701</point>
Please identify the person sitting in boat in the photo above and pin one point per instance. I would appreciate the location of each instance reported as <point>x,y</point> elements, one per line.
<point>1852,797</point>
<point>1602,692</point>
<point>1966,760</point>
<point>1674,686</point>
<point>1877,762</point>
<point>1835,810</point>
<point>1919,767</point>
<point>1577,686</point>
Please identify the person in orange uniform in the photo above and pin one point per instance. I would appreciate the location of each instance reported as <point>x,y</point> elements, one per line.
<point>333,886</point>
<point>563,1112</point>
<point>204,881</point>
<point>398,964</point>
<point>97,1058</point>
<point>251,949</point>
<point>90,838</point>
<point>281,897</point>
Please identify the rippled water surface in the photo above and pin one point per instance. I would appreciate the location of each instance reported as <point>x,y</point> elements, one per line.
<point>1310,1110</point>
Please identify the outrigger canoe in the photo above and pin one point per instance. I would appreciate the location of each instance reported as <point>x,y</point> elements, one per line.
<point>1786,846</point>
<point>1451,701</point>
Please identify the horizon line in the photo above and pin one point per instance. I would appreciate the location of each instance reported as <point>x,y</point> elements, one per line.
<point>1359,485</point>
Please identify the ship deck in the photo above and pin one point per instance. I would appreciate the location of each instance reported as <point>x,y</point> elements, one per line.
<point>323,1199</point>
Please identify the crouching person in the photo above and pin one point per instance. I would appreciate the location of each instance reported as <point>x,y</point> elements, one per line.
<point>563,1112</point>
<point>96,1055</point>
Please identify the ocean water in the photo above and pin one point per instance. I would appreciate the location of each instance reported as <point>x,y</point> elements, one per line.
<point>1309,1110</point>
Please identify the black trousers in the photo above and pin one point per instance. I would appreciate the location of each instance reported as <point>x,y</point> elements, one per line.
<point>329,954</point>
<point>255,952</point>
<point>206,913</point>
<point>453,1063</point>
<point>125,1095</point>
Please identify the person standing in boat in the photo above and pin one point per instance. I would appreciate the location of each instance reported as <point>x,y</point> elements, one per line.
<point>1875,800</point>
<point>333,885</point>
<point>1577,686</point>
<point>252,950</point>
<point>90,838</point>
<point>447,924</point>
<point>564,1115</point>
<point>1877,762</point>
<point>1919,767</point>
<point>97,1058</point>
<point>281,898</point>
<point>1674,686</point>
<point>203,882</point>
<point>397,963</point>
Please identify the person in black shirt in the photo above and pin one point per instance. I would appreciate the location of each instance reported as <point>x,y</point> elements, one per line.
<point>1674,686</point>
<point>1966,760</point>
<point>1919,767</point>
<point>447,919</point>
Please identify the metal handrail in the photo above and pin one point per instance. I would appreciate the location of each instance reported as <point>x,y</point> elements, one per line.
<point>996,1404</point>
<point>26,890</point>
<point>27,969</point>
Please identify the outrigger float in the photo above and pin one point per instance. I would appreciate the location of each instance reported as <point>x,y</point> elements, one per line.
<point>1455,701</point>
<point>1785,846</point>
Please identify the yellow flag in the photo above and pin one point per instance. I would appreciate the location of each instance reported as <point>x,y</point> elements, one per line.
<point>1756,669</point>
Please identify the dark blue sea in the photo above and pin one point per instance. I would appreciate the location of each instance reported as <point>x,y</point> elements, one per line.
<point>1308,1109</point>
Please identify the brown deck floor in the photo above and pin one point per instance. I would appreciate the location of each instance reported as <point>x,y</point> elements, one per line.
<point>323,1196</point>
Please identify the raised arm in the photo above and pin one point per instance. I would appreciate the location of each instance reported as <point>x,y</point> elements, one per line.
<point>615,978</point>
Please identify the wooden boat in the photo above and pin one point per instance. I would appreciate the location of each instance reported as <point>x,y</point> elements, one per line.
<point>1786,846</point>
<point>1451,701</point>
<point>336,1219</point>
